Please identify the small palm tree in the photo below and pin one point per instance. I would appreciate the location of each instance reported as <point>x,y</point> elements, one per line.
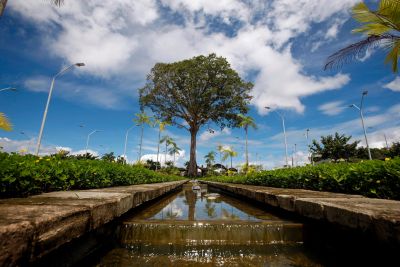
<point>246,122</point>
<point>210,158</point>
<point>5,123</point>
<point>168,141</point>
<point>382,28</point>
<point>173,150</point>
<point>229,152</point>
<point>141,119</point>
<point>220,148</point>
<point>161,128</point>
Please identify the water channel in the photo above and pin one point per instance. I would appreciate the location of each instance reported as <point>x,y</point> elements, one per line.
<point>199,227</point>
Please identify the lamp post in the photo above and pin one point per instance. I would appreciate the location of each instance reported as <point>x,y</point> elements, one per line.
<point>362,120</point>
<point>126,140</point>
<point>88,138</point>
<point>48,102</point>
<point>308,146</point>
<point>8,89</point>
<point>284,133</point>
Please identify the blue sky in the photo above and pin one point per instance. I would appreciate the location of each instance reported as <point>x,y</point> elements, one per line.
<point>280,46</point>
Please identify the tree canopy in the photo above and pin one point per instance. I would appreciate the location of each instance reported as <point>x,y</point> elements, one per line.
<point>192,92</point>
<point>334,147</point>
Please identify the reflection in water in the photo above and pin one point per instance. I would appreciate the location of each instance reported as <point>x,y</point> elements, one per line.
<point>199,228</point>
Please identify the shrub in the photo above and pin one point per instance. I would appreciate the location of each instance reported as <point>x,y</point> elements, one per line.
<point>375,178</point>
<point>26,175</point>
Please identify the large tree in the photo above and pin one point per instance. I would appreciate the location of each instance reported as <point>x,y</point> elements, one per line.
<point>382,29</point>
<point>334,147</point>
<point>192,92</point>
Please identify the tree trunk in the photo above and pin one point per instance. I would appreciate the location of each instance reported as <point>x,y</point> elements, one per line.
<point>192,163</point>
<point>231,162</point>
<point>141,141</point>
<point>158,148</point>
<point>166,149</point>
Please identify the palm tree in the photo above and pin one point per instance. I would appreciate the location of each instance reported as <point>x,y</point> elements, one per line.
<point>220,148</point>
<point>174,150</point>
<point>168,141</point>
<point>3,4</point>
<point>246,122</point>
<point>229,152</point>
<point>382,28</point>
<point>210,158</point>
<point>161,128</point>
<point>4,122</point>
<point>141,119</point>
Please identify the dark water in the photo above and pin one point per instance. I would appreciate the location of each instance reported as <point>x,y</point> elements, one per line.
<point>201,228</point>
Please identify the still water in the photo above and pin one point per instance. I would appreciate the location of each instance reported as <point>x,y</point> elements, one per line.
<point>198,227</point>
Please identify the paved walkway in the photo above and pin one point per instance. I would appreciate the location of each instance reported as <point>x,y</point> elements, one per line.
<point>32,227</point>
<point>379,217</point>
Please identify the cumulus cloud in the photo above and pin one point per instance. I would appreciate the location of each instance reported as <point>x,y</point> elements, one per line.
<point>179,157</point>
<point>394,85</point>
<point>124,39</point>
<point>332,108</point>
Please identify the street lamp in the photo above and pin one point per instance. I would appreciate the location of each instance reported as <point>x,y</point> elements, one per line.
<point>8,89</point>
<point>284,133</point>
<point>362,120</point>
<point>126,140</point>
<point>48,101</point>
<point>88,137</point>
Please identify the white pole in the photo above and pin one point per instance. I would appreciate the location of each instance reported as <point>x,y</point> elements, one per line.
<point>48,103</point>
<point>87,140</point>
<point>126,140</point>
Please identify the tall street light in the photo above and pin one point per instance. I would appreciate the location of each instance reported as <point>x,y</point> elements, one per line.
<point>48,101</point>
<point>284,133</point>
<point>8,89</point>
<point>362,120</point>
<point>126,140</point>
<point>88,137</point>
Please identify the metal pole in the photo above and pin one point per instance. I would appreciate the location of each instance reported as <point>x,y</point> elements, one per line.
<point>8,88</point>
<point>48,102</point>
<point>387,146</point>
<point>362,122</point>
<point>87,140</point>
<point>126,140</point>
<point>284,133</point>
<point>44,117</point>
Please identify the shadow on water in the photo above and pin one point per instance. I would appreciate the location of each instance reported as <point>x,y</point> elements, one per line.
<point>204,227</point>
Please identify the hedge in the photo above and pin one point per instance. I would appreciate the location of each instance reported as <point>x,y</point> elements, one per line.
<point>379,179</point>
<point>25,175</point>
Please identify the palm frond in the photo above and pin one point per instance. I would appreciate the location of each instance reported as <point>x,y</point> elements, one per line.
<point>357,50</point>
<point>5,124</point>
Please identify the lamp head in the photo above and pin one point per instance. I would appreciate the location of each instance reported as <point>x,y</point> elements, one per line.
<point>267,107</point>
<point>365,93</point>
<point>351,106</point>
<point>80,64</point>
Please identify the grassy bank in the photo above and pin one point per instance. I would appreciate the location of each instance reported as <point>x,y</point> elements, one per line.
<point>26,175</point>
<point>380,179</point>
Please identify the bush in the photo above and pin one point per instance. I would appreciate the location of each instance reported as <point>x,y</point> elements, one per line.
<point>26,175</point>
<point>380,179</point>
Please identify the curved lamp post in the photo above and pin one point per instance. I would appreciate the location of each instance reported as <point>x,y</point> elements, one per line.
<point>88,138</point>
<point>284,133</point>
<point>126,139</point>
<point>8,89</point>
<point>362,120</point>
<point>48,102</point>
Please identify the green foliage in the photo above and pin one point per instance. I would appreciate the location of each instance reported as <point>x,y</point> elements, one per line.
<point>374,178</point>
<point>192,92</point>
<point>382,28</point>
<point>110,157</point>
<point>26,175</point>
<point>210,158</point>
<point>334,147</point>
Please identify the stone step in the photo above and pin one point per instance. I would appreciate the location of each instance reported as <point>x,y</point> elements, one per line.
<point>210,233</point>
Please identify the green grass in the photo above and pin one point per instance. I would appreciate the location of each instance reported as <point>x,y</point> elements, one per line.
<point>379,179</point>
<point>26,175</point>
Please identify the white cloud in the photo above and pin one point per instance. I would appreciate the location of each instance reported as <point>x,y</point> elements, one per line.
<point>210,134</point>
<point>394,85</point>
<point>332,108</point>
<point>124,39</point>
<point>179,157</point>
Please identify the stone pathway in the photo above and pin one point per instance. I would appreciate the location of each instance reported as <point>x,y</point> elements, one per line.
<point>32,227</point>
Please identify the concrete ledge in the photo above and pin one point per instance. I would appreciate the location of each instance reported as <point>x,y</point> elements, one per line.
<point>378,217</point>
<point>34,226</point>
